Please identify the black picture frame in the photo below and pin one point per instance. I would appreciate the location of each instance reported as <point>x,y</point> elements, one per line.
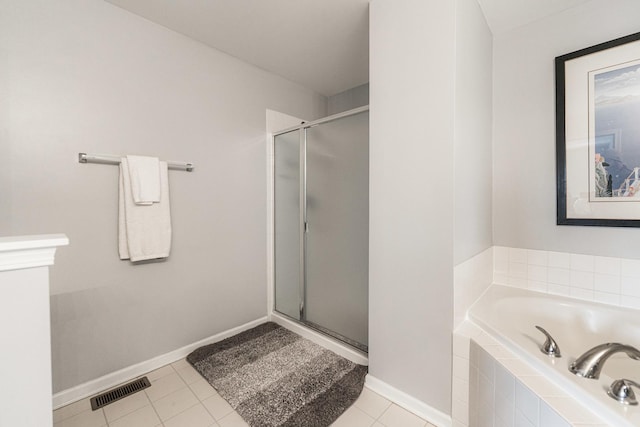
<point>613,212</point>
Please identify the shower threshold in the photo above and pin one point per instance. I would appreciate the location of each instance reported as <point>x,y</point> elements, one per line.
<point>348,341</point>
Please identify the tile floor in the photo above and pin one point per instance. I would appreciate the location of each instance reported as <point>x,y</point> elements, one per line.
<point>180,397</point>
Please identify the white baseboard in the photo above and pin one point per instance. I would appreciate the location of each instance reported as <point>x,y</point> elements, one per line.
<point>322,340</point>
<point>113,379</point>
<point>408,402</point>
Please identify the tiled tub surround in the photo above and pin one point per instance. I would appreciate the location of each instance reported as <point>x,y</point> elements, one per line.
<point>502,390</point>
<point>470,279</point>
<point>509,315</point>
<point>612,281</point>
<point>607,280</point>
<point>504,393</point>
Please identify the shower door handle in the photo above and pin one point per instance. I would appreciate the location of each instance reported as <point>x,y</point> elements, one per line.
<point>306,227</point>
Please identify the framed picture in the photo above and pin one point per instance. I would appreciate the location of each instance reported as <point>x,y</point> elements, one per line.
<point>598,134</point>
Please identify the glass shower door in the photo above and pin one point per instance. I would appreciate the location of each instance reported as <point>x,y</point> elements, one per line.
<point>287,218</point>
<point>337,228</point>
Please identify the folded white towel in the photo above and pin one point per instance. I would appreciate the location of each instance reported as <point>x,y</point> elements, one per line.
<point>145,179</point>
<point>144,231</point>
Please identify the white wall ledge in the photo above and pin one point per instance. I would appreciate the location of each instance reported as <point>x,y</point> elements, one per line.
<point>18,252</point>
<point>25,325</point>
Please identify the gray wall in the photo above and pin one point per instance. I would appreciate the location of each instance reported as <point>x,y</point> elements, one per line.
<point>88,76</point>
<point>524,183</point>
<point>412,54</point>
<point>348,100</point>
<point>473,144</point>
<point>430,188</point>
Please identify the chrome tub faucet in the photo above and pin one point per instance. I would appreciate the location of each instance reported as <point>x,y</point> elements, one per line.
<point>550,347</point>
<point>590,364</point>
<point>622,392</point>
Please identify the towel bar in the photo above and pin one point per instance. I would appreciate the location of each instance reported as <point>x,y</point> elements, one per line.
<point>114,160</point>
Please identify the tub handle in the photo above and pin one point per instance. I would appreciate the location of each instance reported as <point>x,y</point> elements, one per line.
<point>621,391</point>
<point>550,347</point>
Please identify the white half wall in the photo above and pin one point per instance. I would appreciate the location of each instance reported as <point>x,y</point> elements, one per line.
<point>524,180</point>
<point>87,76</point>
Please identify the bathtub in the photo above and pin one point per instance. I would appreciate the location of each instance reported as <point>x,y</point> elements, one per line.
<point>510,314</point>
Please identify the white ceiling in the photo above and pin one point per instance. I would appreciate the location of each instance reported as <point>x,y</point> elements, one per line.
<point>505,15</point>
<point>320,44</point>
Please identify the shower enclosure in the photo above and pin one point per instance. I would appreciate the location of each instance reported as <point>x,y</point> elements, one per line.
<point>321,225</point>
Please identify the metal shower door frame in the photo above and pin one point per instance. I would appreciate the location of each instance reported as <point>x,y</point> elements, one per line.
<point>304,226</point>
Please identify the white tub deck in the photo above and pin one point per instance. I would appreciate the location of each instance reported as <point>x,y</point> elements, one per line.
<point>509,315</point>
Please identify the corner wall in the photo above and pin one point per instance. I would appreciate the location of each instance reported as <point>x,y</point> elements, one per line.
<point>430,168</point>
<point>348,100</point>
<point>86,76</point>
<point>473,167</point>
<point>524,181</point>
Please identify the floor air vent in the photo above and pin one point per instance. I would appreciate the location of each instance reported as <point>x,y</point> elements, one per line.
<point>121,392</point>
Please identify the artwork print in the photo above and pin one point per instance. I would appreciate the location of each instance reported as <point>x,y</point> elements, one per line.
<point>598,134</point>
<point>614,133</point>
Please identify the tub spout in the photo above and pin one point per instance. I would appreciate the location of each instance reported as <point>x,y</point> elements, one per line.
<point>591,362</point>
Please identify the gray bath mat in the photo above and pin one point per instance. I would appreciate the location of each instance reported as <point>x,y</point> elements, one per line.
<point>273,377</point>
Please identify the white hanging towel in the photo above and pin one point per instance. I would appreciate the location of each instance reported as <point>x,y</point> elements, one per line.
<point>144,231</point>
<point>145,179</point>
